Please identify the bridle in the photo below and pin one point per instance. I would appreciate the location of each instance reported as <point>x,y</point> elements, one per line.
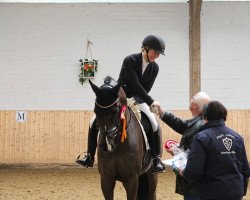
<point>116,126</point>
<point>113,132</point>
<point>108,105</point>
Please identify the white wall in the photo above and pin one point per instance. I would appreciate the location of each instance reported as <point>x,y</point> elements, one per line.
<point>40,45</point>
<point>225,57</point>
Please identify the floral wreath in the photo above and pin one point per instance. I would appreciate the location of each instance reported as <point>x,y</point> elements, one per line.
<point>88,66</point>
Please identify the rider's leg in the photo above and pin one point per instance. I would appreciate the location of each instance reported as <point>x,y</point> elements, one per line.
<point>89,158</point>
<point>155,139</point>
<point>157,148</point>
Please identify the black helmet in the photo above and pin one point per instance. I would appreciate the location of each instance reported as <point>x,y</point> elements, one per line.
<point>154,42</point>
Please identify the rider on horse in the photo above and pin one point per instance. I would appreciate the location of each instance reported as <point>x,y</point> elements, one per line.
<point>137,77</point>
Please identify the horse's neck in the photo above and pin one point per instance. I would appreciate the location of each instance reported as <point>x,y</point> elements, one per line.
<point>130,115</point>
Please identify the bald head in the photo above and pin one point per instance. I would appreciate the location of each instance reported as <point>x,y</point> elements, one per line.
<point>197,103</point>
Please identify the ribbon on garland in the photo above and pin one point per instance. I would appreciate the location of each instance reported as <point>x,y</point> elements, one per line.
<point>123,119</point>
<point>89,49</point>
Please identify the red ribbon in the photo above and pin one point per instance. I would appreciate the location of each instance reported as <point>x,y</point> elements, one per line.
<point>123,119</point>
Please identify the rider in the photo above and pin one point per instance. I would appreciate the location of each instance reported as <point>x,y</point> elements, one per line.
<point>137,77</point>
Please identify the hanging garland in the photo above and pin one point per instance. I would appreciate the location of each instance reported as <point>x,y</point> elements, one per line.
<point>88,66</point>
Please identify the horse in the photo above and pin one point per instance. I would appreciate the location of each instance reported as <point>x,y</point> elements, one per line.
<point>121,149</point>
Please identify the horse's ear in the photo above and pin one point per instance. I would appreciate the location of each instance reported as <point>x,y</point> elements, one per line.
<point>94,87</point>
<point>122,97</point>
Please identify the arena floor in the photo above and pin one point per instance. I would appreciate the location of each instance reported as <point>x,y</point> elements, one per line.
<point>63,183</point>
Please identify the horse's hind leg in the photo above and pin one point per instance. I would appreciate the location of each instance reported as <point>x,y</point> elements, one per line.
<point>108,186</point>
<point>131,186</point>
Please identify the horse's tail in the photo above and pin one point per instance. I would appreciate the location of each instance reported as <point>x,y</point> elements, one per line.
<point>143,190</point>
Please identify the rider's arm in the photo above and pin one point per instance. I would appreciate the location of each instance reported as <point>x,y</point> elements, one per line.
<point>133,80</point>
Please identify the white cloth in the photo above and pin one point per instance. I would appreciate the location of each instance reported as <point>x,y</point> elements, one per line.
<point>144,65</point>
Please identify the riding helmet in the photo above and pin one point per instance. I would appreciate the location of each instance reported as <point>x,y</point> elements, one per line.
<point>154,42</point>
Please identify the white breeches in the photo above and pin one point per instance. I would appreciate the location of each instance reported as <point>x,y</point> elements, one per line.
<point>145,108</point>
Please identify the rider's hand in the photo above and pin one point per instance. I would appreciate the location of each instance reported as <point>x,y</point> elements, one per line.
<point>154,107</point>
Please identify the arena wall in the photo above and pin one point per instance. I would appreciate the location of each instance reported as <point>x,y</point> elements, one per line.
<point>58,137</point>
<point>40,45</point>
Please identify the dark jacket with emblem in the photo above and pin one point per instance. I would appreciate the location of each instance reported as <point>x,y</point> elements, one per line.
<point>218,163</point>
<point>188,129</point>
<point>133,82</point>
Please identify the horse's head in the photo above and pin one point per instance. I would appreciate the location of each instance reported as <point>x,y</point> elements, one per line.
<point>109,98</point>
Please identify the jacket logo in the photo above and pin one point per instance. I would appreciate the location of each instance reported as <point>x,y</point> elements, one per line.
<point>227,143</point>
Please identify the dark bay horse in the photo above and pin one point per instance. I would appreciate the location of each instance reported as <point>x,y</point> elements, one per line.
<point>127,161</point>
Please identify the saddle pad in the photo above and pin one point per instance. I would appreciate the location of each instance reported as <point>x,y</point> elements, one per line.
<point>143,132</point>
<point>134,106</point>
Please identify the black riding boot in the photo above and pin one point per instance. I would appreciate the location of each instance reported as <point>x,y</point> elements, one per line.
<point>89,158</point>
<point>156,148</point>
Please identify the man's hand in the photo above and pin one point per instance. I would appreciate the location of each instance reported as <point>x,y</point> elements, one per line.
<point>170,151</point>
<point>181,172</point>
<point>160,111</point>
<point>178,171</point>
<point>154,107</point>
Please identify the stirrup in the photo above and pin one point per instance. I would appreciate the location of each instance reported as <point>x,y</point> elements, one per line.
<point>158,166</point>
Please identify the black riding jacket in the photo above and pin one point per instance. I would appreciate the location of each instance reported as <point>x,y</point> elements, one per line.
<point>133,82</point>
<point>188,129</point>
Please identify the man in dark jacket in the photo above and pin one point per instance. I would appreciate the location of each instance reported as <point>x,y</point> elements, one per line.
<point>188,129</point>
<point>137,76</point>
<point>217,161</point>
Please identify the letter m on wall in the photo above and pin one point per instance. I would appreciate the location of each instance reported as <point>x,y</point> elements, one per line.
<point>21,116</point>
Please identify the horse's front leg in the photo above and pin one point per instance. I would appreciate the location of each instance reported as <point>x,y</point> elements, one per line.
<point>131,186</point>
<point>108,186</point>
<point>152,185</point>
